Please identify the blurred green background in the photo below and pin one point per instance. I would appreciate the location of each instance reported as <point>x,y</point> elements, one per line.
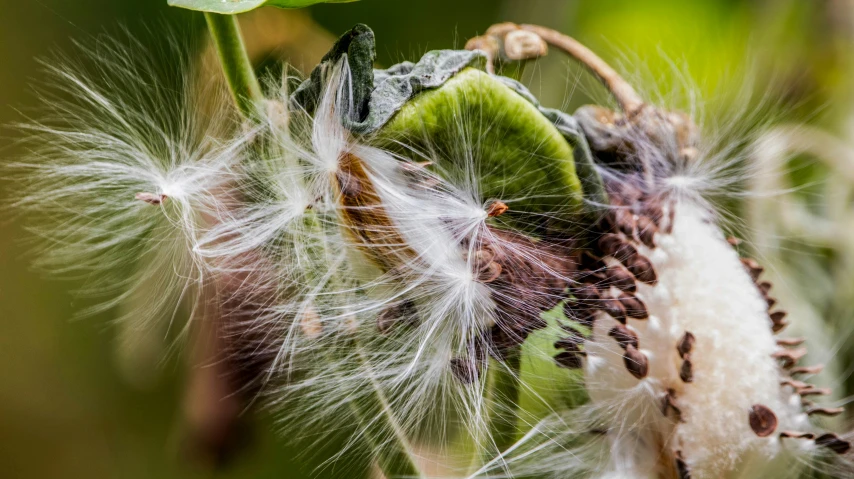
<point>68,411</point>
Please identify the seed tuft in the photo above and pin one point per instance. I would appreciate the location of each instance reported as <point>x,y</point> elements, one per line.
<point>496,208</point>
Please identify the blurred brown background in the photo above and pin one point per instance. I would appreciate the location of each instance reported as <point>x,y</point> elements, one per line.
<point>68,410</point>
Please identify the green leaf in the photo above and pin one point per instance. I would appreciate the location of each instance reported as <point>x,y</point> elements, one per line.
<point>240,6</point>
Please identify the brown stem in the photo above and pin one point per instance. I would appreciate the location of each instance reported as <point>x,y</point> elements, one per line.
<point>625,95</point>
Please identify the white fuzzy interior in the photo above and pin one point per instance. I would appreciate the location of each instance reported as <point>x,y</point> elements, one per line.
<point>702,288</point>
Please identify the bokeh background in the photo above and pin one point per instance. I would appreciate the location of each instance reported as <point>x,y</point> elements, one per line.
<point>72,407</point>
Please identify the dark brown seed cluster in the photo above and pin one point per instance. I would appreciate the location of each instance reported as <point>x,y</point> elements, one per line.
<point>755,270</point>
<point>610,270</point>
<point>526,278</point>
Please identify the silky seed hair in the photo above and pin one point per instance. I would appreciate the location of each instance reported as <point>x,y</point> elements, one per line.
<point>121,174</point>
<point>344,324</point>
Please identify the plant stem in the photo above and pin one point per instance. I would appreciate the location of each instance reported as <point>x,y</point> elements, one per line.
<point>395,458</point>
<point>235,63</point>
<point>503,397</point>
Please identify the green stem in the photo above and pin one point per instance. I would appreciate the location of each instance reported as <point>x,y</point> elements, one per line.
<point>235,63</point>
<point>503,397</point>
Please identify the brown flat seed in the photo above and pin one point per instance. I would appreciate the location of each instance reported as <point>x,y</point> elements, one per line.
<point>750,263</point>
<point>586,293</point>
<point>642,268</point>
<point>652,208</point>
<point>763,421</point>
<point>609,243</point>
<point>626,221</point>
<point>465,370</point>
<point>795,384</point>
<point>573,333</point>
<point>151,198</point>
<point>388,318</point>
<point>764,287</point>
<point>833,442</point>
<point>626,254</point>
<point>646,231</point>
<point>349,184</point>
<point>618,276</point>
<point>733,241</point>
<point>414,166</point>
<point>753,268</point>
<point>635,308</point>
<point>579,313</point>
<point>310,322</point>
<point>569,360</point>
<point>671,218</point>
<point>686,372</point>
<point>790,341</point>
<point>789,357</point>
<point>636,362</point>
<point>490,273</point>
<point>685,344</point>
<point>591,262</point>
<point>607,222</point>
<point>569,343</point>
<point>624,336</point>
<point>818,368</point>
<point>826,411</point>
<point>614,308</point>
<point>482,258</point>
<point>778,322</point>
<point>668,403</point>
<point>777,327</point>
<point>682,467</point>
<point>797,435</point>
<point>427,183</point>
<point>496,208</point>
<point>814,391</point>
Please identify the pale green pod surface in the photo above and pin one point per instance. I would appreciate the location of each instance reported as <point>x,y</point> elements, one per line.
<point>519,157</point>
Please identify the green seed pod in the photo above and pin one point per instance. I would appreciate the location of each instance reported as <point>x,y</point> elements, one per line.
<point>522,159</point>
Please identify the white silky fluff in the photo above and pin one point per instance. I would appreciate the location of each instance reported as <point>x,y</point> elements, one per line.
<point>117,123</point>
